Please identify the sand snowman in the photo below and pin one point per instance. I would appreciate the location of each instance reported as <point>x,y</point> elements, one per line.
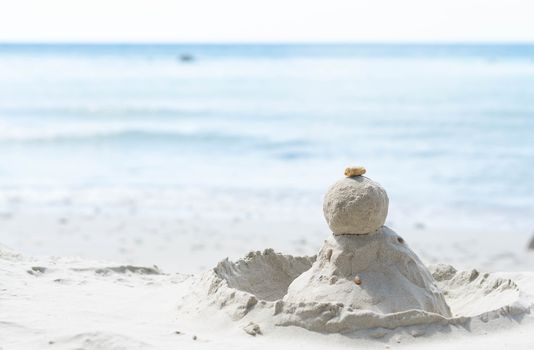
<point>365,265</point>
<point>364,278</point>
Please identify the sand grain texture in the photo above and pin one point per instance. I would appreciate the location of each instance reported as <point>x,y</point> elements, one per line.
<point>67,303</point>
<point>355,205</point>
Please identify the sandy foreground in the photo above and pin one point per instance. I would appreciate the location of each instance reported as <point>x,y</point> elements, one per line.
<point>78,277</point>
<point>70,303</point>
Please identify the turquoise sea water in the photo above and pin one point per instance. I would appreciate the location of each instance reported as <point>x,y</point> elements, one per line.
<point>450,126</point>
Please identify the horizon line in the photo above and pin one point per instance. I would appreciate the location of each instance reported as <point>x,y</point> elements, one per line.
<point>326,43</point>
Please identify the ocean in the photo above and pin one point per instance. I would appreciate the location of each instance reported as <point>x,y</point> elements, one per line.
<point>448,130</point>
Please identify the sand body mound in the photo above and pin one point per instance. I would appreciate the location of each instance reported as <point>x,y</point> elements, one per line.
<point>378,273</point>
<point>268,289</point>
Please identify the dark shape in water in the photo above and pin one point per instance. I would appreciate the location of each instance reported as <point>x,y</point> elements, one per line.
<point>531,244</point>
<point>185,57</point>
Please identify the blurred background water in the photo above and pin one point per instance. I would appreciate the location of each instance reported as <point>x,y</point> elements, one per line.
<point>447,129</point>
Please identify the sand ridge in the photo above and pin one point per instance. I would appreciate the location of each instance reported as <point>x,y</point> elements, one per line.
<point>226,288</point>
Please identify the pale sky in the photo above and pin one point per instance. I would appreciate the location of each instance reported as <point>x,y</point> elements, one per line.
<point>267,20</point>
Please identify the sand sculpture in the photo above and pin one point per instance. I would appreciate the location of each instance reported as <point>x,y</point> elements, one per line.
<point>366,265</point>
<point>365,276</point>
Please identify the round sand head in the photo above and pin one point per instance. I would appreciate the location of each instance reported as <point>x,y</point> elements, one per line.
<point>355,205</point>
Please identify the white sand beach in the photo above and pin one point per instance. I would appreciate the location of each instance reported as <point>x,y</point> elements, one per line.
<point>161,294</point>
<point>66,303</point>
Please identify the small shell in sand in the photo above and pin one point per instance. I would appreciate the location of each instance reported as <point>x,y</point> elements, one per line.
<point>357,280</point>
<point>354,171</point>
